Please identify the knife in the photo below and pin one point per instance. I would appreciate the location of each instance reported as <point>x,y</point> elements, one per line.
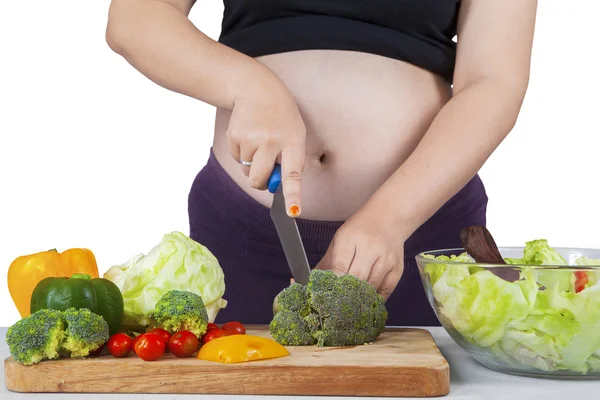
<point>287,230</point>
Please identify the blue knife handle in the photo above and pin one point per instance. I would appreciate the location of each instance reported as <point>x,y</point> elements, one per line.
<point>275,179</point>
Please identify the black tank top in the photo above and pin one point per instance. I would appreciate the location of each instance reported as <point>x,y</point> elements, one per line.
<point>420,32</point>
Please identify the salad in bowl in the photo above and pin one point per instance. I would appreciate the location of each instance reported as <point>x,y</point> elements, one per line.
<point>534,311</point>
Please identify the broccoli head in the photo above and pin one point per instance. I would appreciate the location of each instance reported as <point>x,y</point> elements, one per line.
<point>181,310</point>
<point>85,332</point>
<point>329,311</point>
<point>48,334</point>
<point>36,337</point>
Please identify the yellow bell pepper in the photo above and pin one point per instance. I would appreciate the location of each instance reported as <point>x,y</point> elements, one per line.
<point>241,348</point>
<point>27,271</point>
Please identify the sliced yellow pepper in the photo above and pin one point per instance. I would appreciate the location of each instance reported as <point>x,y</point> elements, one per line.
<point>241,348</point>
<point>25,272</point>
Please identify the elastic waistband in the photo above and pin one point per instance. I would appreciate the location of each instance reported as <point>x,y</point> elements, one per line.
<point>232,205</point>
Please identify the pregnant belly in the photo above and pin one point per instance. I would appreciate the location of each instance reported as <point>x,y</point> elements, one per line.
<point>364,115</point>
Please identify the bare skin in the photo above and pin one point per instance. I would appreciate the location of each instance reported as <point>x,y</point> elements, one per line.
<point>361,138</point>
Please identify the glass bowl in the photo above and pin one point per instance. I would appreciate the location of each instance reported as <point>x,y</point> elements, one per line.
<point>529,320</point>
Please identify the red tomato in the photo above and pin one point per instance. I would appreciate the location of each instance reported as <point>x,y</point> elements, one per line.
<point>150,347</point>
<point>135,341</point>
<point>183,344</point>
<point>211,327</point>
<point>581,279</point>
<point>119,345</point>
<point>215,333</point>
<point>164,334</point>
<point>233,328</point>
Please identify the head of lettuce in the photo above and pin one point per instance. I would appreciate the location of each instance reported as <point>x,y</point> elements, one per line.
<point>177,262</point>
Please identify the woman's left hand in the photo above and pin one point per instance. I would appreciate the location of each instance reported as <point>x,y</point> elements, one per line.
<point>370,246</point>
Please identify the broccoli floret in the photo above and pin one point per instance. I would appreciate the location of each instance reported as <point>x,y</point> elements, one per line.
<point>85,332</point>
<point>36,337</point>
<point>292,298</point>
<point>181,310</point>
<point>290,329</point>
<point>49,334</point>
<point>331,310</point>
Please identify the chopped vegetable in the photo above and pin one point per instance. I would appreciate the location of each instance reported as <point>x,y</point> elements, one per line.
<point>25,272</point>
<point>329,311</point>
<point>548,320</point>
<point>36,337</point>
<point>176,263</point>
<point>120,345</point>
<point>180,310</point>
<point>241,348</point>
<point>100,296</point>
<point>85,331</point>
<point>47,334</point>
<point>150,347</point>
<point>183,344</point>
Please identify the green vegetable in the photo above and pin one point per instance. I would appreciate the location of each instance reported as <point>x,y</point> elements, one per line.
<point>48,334</point>
<point>101,296</point>
<point>329,311</point>
<point>539,252</point>
<point>176,263</point>
<point>36,337</point>
<point>85,332</point>
<point>289,328</point>
<point>542,321</point>
<point>179,310</point>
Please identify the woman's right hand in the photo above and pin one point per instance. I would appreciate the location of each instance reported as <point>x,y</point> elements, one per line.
<point>266,128</point>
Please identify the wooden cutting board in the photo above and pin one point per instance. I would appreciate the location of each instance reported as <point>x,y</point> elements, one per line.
<point>400,363</point>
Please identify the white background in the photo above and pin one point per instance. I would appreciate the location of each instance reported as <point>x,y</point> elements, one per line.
<point>92,154</point>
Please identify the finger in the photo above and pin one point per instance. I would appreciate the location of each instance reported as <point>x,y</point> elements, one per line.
<point>338,258</point>
<point>247,152</point>
<point>389,283</point>
<point>380,269</point>
<point>292,165</point>
<point>262,167</point>
<point>362,264</point>
<point>234,149</point>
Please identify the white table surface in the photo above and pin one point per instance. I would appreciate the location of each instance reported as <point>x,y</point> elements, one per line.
<point>468,380</point>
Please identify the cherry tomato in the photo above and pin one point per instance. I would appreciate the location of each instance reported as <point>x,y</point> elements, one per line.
<point>150,347</point>
<point>581,279</point>
<point>233,328</point>
<point>215,333</point>
<point>119,345</point>
<point>135,341</point>
<point>211,327</point>
<point>164,334</point>
<point>183,344</point>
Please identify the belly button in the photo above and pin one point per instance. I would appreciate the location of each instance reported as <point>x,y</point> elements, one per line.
<point>318,160</point>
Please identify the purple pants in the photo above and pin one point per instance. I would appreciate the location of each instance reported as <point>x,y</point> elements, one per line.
<point>239,232</point>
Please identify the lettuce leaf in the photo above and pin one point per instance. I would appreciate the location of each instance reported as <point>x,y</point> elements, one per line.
<point>479,305</point>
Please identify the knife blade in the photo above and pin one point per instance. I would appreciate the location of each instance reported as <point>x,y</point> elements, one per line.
<point>287,230</point>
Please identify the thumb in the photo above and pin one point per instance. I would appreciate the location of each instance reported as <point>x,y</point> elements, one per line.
<point>337,259</point>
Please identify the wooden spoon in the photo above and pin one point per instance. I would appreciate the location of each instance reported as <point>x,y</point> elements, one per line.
<point>480,244</point>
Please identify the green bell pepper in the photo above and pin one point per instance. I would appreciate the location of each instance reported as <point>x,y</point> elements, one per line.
<point>99,295</point>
